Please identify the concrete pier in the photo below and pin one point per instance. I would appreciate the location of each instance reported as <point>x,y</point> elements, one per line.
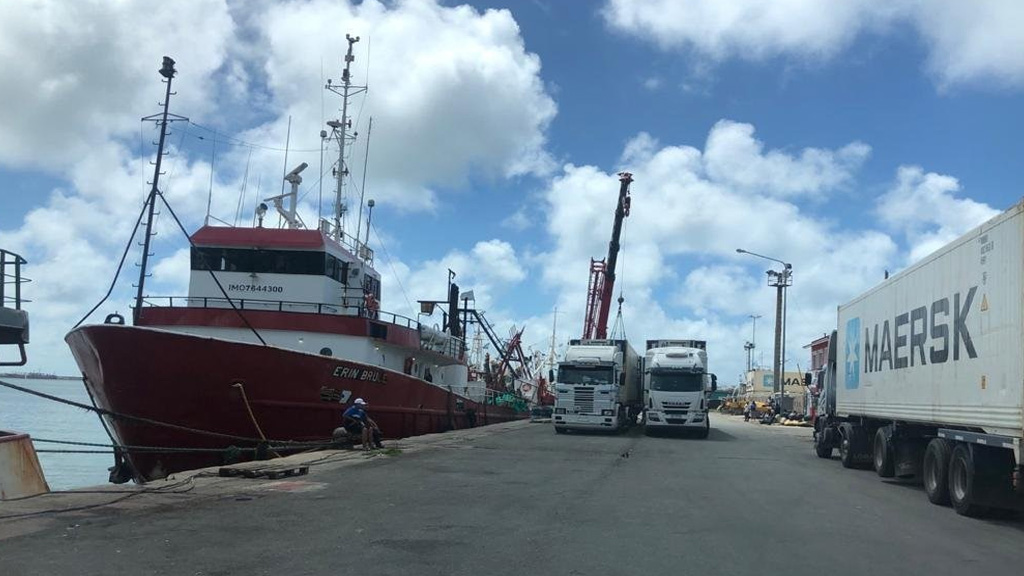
<point>518,499</point>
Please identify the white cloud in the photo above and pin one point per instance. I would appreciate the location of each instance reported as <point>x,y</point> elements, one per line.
<point>490,269</point>
<point>748,28</point>
<point>971,42</point>
<point>734,157</point>
<point>678,268</point>
<point>83,72</point>
<point>454,95</point>
<point>453,91</point>
<point>652,83</point>
<point>967,41</point>
<point>924,208</point>
<point>517,220</point>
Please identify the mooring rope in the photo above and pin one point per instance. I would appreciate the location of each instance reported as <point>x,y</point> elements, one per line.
<point>113,414</point>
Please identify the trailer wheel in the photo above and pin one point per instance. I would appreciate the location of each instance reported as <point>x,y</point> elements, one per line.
<point>936,471</point>
<point>963,488</point>
<point>559,429</point>
<point>885,461</point>
<point>851,444</point>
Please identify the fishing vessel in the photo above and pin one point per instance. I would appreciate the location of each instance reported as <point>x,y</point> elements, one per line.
<point>281,330</point>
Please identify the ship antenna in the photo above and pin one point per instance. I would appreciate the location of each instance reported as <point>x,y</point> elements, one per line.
<point>362,188</point>
<point>162,119</point>
<point>340,131</point>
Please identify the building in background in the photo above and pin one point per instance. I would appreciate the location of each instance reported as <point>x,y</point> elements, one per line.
<point>759,385</point>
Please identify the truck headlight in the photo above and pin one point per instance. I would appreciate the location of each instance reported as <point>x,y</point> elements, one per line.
<point>607,412</point>
<point>559,410</point>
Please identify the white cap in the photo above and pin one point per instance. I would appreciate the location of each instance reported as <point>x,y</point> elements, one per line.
<point>360,402</point>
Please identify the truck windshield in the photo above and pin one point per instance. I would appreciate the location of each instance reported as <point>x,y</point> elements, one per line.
<point>589,376</point>
<point>677,382</point>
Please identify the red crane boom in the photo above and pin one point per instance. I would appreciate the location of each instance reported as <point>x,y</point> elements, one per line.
<point>602,272</point>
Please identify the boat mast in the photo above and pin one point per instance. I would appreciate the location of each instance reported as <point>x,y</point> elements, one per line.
<point>340,131</point>
<point>168,72</point>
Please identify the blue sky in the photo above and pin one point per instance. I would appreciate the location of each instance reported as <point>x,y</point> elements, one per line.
<point>847,137</point>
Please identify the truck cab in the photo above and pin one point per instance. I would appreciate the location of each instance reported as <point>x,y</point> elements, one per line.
<point>677,386</point>
<point>597,387</point>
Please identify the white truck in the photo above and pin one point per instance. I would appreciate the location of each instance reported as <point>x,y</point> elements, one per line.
<point>925,373</point>
<point>597,387</point>
<point>677,386</point>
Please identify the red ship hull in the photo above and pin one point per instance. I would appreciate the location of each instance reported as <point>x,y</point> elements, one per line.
<point>192,382</point>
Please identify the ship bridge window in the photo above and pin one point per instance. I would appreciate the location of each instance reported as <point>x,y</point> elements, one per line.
<point>259,261</point>
<point>337,269</point>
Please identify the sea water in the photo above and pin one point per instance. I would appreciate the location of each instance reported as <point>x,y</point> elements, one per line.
<point>49,420</point>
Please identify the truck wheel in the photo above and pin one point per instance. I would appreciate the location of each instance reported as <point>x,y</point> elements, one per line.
<point>885,461</point>
<point>851,445</point>
<point>822,443</point>
<point>963,482</point>
<point>936,471</point>
<point>706,430</point>
<point>559,429</point>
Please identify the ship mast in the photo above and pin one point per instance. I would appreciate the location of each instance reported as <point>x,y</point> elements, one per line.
<point>165,117</point>
<point>340,130</point>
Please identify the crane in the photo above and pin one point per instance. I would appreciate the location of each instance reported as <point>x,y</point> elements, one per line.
<point>602,272</point>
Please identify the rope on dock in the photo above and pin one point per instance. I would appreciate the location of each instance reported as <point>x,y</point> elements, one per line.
<point>126,494</point>
<point>111,447</point>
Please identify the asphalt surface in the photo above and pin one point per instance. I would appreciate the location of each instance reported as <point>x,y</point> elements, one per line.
<point>520,500</point>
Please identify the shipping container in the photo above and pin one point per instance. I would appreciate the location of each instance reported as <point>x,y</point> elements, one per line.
<point>925,373</point>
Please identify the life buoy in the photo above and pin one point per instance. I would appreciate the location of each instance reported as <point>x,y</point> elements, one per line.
<point>526,388</point>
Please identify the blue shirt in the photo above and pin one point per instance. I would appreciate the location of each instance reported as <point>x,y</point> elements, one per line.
<point>355,412</point>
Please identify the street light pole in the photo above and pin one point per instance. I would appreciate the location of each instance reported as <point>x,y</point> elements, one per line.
<point>780,281</point>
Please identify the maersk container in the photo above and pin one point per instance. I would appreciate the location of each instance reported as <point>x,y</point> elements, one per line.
<point>926,372</point>
<point>943,341</point>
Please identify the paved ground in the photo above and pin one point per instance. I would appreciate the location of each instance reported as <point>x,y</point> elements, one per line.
<point>521,500</point>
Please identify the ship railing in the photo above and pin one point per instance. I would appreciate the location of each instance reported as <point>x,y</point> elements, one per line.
<point>344,309</point>
<point>443,343</point>
<point>347,241</point>
<point>11,280</point>
<point>13,320</point>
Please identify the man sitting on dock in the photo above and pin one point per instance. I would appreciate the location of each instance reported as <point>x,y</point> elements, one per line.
<point>358,423</point>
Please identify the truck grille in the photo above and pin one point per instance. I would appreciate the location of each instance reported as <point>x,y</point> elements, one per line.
<point>583,400</point>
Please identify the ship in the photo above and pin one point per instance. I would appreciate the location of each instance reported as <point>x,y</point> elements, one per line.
<point>281,330</point>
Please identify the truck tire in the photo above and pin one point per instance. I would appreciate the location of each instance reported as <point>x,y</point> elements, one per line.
<point>706,430</point>
<point>884,454</point>
<point>935,471</point>
<point>559,429</point>
<point>851,445</point>
<point>963,483</point>
<point>823,442</point>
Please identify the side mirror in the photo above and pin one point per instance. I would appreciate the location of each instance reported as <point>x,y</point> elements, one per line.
<point>807,379</point>
<point>551,376</point>
<point>714,383</point>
